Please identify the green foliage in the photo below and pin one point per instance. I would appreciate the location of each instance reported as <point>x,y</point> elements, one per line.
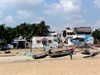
<point>64,33</point>
<point>96,36</point>
<point>24,29</point>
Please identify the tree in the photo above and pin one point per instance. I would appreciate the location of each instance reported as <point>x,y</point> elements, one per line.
<point>3,33</point>
<point>96,36</point>
<point>9,34</point>
<point>39,29</point>
<point>24,29</point>
<point>64,33</point>
<point>42,29</point>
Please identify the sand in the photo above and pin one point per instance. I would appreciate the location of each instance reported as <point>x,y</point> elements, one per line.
<point>50,66</point>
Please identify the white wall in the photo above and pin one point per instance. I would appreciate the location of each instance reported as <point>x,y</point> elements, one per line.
<point>40,45</point>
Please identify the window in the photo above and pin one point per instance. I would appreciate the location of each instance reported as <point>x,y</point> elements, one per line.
<point>54,35</point>
<point>68,28</point>
<point>50,41</point>
<point>38,41</point>
<point>55,40</point>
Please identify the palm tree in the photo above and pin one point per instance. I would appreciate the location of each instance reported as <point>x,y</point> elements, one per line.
<point>43,29</point>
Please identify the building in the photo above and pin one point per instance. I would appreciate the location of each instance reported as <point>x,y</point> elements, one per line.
<point>39,42</point>
<point>69,35</point>
<point>83,30</point>
<point>20,42</point>
<point>69,32</point>
<point>54,36</point>
<point>51,40</point>
<point>84,33</point>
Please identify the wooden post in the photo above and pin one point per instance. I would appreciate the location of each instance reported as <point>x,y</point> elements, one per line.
<point>30,45</point>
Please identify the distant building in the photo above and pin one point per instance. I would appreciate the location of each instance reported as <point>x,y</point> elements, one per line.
<point>84,33</point>
<point>69,32</point>
<point>54,36</point>
<point>39,42</point>
<point>79,32</point>
<point>83,30</point>
<point>69,35</point>
<point>51,40</point>
<point>20,42</point>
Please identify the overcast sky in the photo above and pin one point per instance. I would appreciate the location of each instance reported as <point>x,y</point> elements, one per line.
<point>56,13</point>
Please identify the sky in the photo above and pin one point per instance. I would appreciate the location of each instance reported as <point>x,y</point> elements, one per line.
<point>58,14</point>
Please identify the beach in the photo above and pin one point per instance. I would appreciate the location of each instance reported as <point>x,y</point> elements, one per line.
<point>23,65</point>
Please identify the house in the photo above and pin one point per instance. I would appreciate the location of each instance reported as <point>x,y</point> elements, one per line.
<point>54,36</point>
<point>84,33</point>
<point>51,40</point>
<point>20,42</point>
<point>39,42</point>
<point>82,30</point>
<point>69,35</point>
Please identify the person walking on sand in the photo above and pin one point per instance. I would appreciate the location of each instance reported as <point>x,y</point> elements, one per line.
<point>71,55</point>
<point>71,52</point>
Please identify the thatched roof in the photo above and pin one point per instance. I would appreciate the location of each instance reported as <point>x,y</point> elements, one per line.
<point>83,29</point>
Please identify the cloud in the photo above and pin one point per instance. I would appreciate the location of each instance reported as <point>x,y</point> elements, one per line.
<point>52,9</point>
<point>38,19</point>
<point>20,10</point>
<point>22,14</point>
<point>75,19</point>
<point>70,5</point>
<point>1,13</point>
<point>7,20</point>
<point>97,24</point>
<point>65,6</point>
<point>70,13</point>
<point>20,4</point>
<point>97,3</point>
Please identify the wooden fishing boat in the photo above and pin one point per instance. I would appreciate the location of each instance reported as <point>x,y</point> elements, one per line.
<point>86,52</point>
<point>92,54</point>
<point>40,56</point>
<point>95,47</point>
<point>61,53</point>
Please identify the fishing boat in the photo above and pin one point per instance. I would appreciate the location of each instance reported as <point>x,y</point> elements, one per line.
<point>92,54</point>
<point>61,53</point>
<point>40,56</point>
<point>95,47</point>
<point>86,52</point>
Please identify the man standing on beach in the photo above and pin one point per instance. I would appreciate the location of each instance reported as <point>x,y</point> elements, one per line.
<point>71,54</point>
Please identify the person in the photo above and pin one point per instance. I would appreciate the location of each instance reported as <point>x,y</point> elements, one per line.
<point>71,54</point>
